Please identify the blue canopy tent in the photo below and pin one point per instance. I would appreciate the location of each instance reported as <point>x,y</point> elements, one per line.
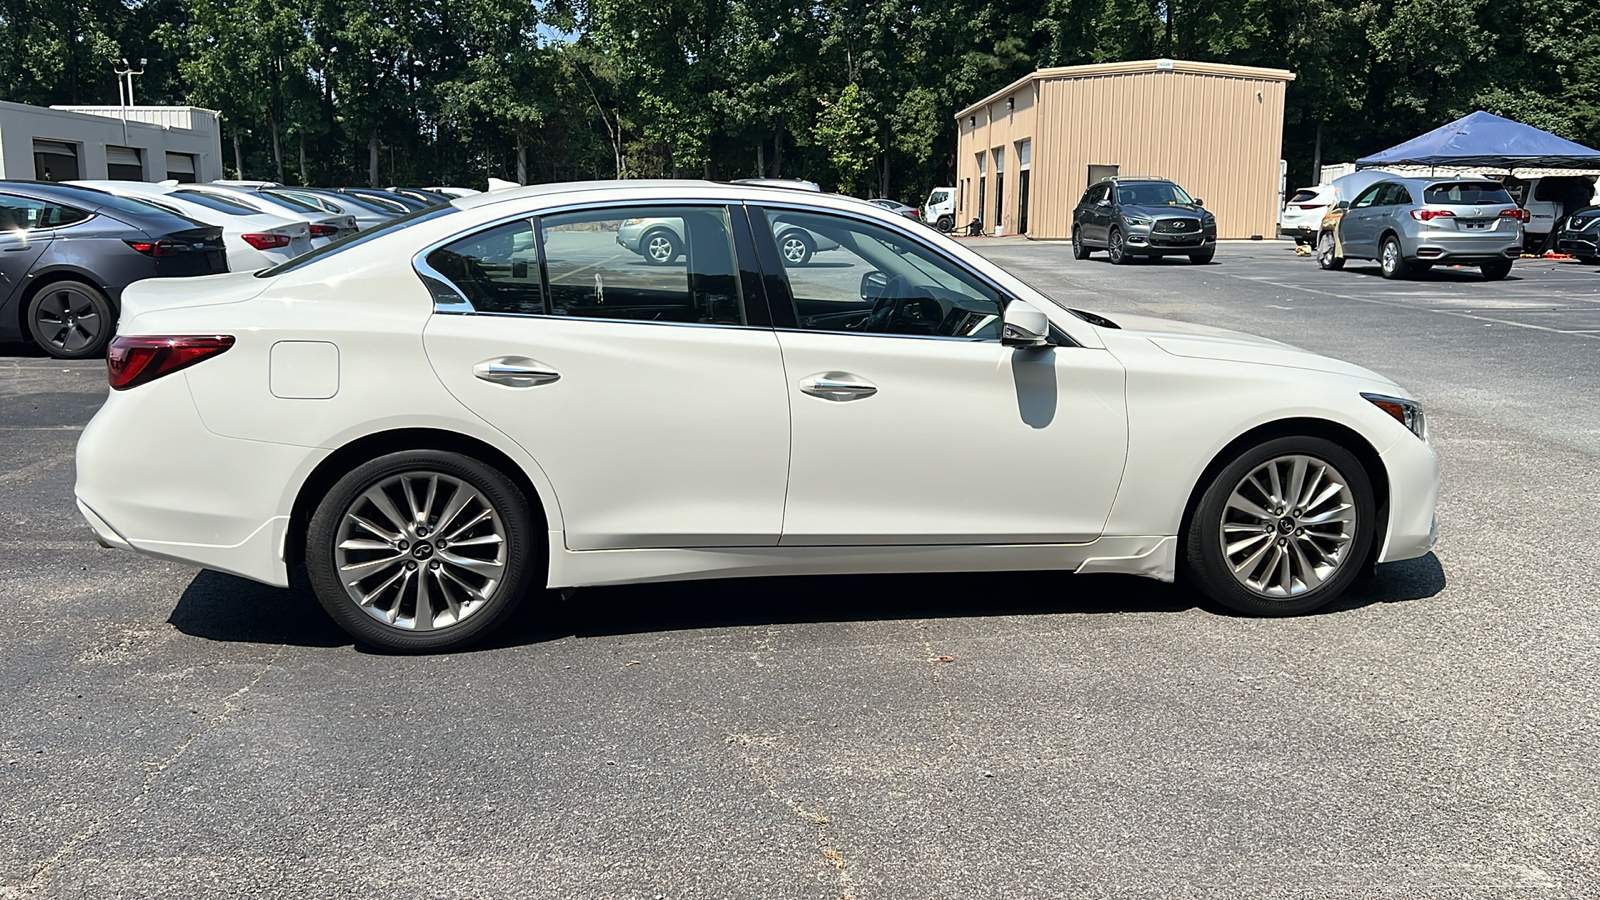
<point>1481,139</point>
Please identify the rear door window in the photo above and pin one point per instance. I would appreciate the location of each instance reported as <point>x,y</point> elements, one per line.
<point>1469,192</point>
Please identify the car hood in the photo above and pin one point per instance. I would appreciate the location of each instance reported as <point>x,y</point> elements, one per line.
<point>1205,342</point>
<point>1170,212</point>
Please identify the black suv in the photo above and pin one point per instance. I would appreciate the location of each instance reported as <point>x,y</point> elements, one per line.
<point>1129,217</point>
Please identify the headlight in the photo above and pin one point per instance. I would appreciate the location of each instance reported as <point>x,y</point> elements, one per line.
<point>1137,220</point>
<point>1406,412</point>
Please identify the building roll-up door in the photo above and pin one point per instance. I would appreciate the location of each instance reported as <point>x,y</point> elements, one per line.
<point>124,164</point>
<point>180,167</point>
<point>55,161</point>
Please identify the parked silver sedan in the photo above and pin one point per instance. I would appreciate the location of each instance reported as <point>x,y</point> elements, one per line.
<point>660,241</point>
<point>1411,224</point>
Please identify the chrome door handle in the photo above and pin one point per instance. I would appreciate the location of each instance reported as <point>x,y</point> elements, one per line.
<point>516,371</point>
<point>838,386</point>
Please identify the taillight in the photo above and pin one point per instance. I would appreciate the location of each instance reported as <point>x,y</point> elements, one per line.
<point>132,361</point>
<point>156,248</point>
<point>266,241</point>
<point>324,230</point>
<point>1521,215</point>
<point>1426,215</point>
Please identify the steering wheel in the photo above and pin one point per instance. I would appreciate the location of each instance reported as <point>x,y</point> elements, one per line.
<point>890,308</point>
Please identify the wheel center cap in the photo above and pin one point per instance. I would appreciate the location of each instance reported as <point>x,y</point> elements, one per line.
<point>422,550</point>
<point>1285,525</point>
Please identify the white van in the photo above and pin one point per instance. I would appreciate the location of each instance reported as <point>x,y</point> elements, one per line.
<point>939,210</point>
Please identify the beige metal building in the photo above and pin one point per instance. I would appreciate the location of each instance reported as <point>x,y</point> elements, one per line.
<point>1033,147</point>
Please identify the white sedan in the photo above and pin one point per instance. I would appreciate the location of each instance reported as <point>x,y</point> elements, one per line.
<point>254,239</point>
<point>440,414</point>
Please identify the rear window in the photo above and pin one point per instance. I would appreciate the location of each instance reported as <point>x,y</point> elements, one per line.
<point>360,237</point>
<point>1477,192</point>
<point>218,204</point>
<point>1303,197</point>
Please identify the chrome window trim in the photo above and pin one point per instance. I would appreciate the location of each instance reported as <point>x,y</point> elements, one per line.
<point>463,307</point>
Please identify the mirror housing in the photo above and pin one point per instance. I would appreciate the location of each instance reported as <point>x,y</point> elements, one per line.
<point>1199,202</point>
<point>873,284</point>
<point>1024,325</point>
<point>1342,204</point>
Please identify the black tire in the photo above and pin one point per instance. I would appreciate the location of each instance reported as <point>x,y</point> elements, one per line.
<point>1202,257</point>
<point>1496,270</point>
<point>795,247</point>
<point>71,320</point>
<point>945,223</point>
<point>1589,260</point>
<point>518,553</point>
<point>1117,248</point>
<point>1391,259</point>
<point>1080,250</point>
<point>1206,564</point>
<point>659,247</point>
<point>1325,253</point>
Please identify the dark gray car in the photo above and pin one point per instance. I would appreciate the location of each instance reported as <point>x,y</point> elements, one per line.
<point>66,253</point>
<point>1129,217</point>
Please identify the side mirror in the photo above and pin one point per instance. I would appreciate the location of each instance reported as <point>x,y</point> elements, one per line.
<point>1199,202</point>
<point>1103,201</point>
<point>873,284</point>
<point>1024,325</point>
<point>1342,204</point>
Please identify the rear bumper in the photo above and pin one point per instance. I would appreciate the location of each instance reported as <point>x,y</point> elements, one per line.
<point>1466,249</point>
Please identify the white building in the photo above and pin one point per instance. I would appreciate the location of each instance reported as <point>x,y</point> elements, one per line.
<point>135,143</point>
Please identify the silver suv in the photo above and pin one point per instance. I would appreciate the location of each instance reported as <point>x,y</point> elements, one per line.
<point>1411,224</point>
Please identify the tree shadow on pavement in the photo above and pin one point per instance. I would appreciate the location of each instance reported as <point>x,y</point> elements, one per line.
<point>225,608</point>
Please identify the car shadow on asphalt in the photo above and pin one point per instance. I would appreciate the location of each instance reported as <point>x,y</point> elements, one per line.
<point>225,608</point>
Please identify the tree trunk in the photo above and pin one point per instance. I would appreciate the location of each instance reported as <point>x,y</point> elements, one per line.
<point>883,184</point>
<point>522,157</point>
<point>372,159</point>
<point>1316,157</point>
<point>777,152</point>
<point>761,158</point>
<point>238,156</point>
<point>277,150</point>
<point>305,175</point>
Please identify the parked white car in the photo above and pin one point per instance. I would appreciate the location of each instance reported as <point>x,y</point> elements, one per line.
<point>440,414</point>
<point>253,239</point>
<point>325,226</point>
<point>1301,217</point>
<point>939,210</point>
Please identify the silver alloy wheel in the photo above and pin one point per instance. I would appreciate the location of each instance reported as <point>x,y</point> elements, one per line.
<point>660,248</point>
<point>1116,247</point>
<point>67,319</point>
<point>421,551</point>
<point>1325,250</point>
<point>794,249</point>
<point>1288,526</point>
<point>1390,256</point>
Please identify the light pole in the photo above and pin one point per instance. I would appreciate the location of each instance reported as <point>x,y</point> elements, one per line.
<point>126,73</point>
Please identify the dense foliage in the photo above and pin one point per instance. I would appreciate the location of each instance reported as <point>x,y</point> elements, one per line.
<point>856,94</point>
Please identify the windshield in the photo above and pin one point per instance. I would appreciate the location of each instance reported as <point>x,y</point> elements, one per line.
<point>218,204</point>
<point>1484,192</point>
<point>359,237</point>
<point>1153,193</point>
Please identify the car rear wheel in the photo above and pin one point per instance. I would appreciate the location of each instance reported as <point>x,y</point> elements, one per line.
<point>1117,248</point>
<point>1391,261</point>
<point>1496,270</point>
<point>421,551</point>
<point>660,247</point>
<point>71,320</point>
<point>1080,250</point>
<point>1327,257</point>
<point>795,248</point>
<point>1283,529</point>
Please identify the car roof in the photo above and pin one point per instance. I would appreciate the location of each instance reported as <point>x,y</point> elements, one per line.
<point>1138,178</point>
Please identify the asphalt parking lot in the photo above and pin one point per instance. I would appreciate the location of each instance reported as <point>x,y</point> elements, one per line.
<point>168,732</point>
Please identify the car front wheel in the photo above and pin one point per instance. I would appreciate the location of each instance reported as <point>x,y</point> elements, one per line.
<point>71,320</point>
<point>1283,529</point>
<point>795,248</point>
<point>421,551</point>
<point>945,223</point>
<point>1203,257</point>
<point>1117,248</point>
<point>659,247</point>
